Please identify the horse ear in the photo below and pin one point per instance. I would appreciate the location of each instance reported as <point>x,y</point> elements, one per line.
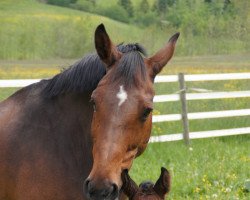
<point>129,187</point>
<point>161,58</point>
<point>162,185</point>
<point>104,46</point>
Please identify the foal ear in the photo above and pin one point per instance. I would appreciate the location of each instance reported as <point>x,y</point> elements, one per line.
<point>104,46</point>
<point>162,185</point>
<point>161,58</point>
<point>129,187</point>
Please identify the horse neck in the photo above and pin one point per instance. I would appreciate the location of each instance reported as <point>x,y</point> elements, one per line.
<point>75,113</point>
<point>63,126</point>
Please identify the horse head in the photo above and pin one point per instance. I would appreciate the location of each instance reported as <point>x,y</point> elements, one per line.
<point>123,104</point>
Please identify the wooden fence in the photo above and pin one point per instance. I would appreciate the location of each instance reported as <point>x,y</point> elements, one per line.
<point>183,96</point>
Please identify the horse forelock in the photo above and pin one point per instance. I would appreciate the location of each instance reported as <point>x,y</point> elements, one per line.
<point>131,67</point>
<point>132,47</point>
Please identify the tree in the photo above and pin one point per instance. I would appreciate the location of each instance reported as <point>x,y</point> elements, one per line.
<point>92,1</point>
<point>161,6</point>
<point>61,2</point>
<point>127,5</point>
<point>144,6</point>
<point>228,6</point>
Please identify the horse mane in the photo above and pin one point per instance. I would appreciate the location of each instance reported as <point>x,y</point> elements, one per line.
<point>85,74</point>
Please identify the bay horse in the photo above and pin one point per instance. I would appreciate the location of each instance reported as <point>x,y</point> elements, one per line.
<point>71,136</point>
<point>147,190</point>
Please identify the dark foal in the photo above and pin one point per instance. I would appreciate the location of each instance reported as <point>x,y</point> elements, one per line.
<point>147,190</point>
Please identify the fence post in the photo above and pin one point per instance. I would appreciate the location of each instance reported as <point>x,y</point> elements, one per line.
<point>184,108</point>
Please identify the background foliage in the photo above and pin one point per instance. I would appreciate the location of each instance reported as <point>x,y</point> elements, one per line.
<point>33,29</point>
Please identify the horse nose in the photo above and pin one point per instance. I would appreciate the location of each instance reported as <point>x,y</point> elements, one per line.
<point>107,190</point>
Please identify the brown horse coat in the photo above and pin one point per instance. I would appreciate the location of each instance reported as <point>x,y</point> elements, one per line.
<point>87,123</point>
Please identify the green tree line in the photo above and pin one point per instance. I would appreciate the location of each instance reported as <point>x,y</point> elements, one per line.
<point>30,29</point>
<point>201,18</point>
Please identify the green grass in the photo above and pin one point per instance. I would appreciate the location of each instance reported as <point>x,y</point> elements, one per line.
<point>211,167</point>
<point>31,30</point>
<point>214,167</point>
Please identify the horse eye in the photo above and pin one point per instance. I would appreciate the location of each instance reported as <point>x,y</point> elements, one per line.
<point>93,104</point>
<point>146,113</point>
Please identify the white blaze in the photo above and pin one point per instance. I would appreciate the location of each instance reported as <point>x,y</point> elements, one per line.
<point>122,95</point>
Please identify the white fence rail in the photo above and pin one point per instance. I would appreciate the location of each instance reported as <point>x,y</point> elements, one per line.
<point>17,83</point>
<point>201,134</point>
<point>159,79</point>
<point>202,115</point>
<point>188,96</point>
<point>199,96</point>
<point>203,77</point>
<point>205,94</point>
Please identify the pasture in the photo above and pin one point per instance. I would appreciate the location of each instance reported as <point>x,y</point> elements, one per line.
<point>215,168</point>
<point>33,30</point>
<point>38,40</point>
<point>66,33</point>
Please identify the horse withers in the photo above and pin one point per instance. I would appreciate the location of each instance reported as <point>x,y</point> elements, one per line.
<point>81,128</point>
<point>147,190</point>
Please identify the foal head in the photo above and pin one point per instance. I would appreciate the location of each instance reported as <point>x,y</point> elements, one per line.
<point>123,104</point>
<point>146,190</point>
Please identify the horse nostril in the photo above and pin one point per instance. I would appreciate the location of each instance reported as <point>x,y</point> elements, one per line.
<point>110,192</point>
<point>87,187</point>
<point>115,190</point>
<point>107,191</point>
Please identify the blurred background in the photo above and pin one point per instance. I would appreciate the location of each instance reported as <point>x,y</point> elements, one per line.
<point>49,29</point>
<point>39,38</point>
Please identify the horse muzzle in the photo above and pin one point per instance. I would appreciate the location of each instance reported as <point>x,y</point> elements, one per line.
<point>97,190</point>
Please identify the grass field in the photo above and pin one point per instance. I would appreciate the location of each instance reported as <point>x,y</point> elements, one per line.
<point>32,30</point>
<point>215,168</point>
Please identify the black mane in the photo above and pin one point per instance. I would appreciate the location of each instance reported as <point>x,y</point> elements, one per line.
<point>84,75</point>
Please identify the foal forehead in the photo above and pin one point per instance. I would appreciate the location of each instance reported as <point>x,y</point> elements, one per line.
<point>146,184</point>
<point>146,187</point>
